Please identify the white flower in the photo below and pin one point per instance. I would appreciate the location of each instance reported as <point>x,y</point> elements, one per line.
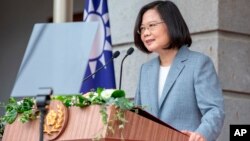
<point>20,102</point>
<point>91,95</point>
<point>106,94</point>
<point>73,100</point>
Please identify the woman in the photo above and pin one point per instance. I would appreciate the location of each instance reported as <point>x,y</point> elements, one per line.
<point>179,86</point>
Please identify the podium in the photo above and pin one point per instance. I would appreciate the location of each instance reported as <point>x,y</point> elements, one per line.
<point>85,124</point>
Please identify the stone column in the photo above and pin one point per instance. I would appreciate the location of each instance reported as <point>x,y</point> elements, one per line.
<point>234,61</point>
<point>62,11</point>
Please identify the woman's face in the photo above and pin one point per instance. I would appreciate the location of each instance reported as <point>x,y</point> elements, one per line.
<point>154,32</point>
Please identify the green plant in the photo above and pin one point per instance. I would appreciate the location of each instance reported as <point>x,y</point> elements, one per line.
<point>2,125</point>
<point>103,97</point>
<point>26,109</point>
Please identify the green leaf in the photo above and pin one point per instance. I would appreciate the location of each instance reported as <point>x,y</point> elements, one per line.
<point>124,103</point>
<point>10,116</point>
<point>118,93</point>
<point>67,102</point>
<point>57,97</point>
<point>12,100</point>
<point>26,105</point>
<point>98,100</point>
<point>12,105</point>
<point>82,101</point>
<point>104,115</point>
<point>27,116</point>
<point>2,125</point>
<point>99,90</point>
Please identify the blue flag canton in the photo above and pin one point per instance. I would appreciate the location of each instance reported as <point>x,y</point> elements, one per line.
<point>97,10</point>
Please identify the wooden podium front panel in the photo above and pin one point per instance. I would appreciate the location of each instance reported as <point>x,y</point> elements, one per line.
<point>18,131</point>
<point>141,128</point>
<point>84,124</point>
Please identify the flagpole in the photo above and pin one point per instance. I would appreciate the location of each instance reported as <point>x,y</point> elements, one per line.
<point>62,11</point>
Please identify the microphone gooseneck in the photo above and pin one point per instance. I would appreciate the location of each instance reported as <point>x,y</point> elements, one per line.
<point>115,55</point>
<point>129,52</point>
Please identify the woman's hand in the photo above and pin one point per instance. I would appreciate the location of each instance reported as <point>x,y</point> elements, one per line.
<point>194,136</point>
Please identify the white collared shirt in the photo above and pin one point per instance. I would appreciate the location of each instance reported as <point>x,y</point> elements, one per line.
<point>163,73</point>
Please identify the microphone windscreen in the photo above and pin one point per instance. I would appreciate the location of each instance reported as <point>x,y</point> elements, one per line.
<point>116,54</point>
<point>130,51</point>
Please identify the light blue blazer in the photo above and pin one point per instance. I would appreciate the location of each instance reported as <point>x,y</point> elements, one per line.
<point>192,97</point>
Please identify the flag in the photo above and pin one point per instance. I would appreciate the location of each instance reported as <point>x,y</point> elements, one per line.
<point>97,10</point>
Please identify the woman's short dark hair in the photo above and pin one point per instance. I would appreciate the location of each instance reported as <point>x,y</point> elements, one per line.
<point>170,14</point>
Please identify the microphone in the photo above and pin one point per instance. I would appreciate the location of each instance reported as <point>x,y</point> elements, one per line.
<point>129,52</point>
<point>115,55</point>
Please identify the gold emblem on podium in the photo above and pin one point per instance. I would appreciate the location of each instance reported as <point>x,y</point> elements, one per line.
<point>55,120</point>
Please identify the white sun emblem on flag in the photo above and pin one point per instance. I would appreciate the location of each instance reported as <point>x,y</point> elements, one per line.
<point>101,42</point>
